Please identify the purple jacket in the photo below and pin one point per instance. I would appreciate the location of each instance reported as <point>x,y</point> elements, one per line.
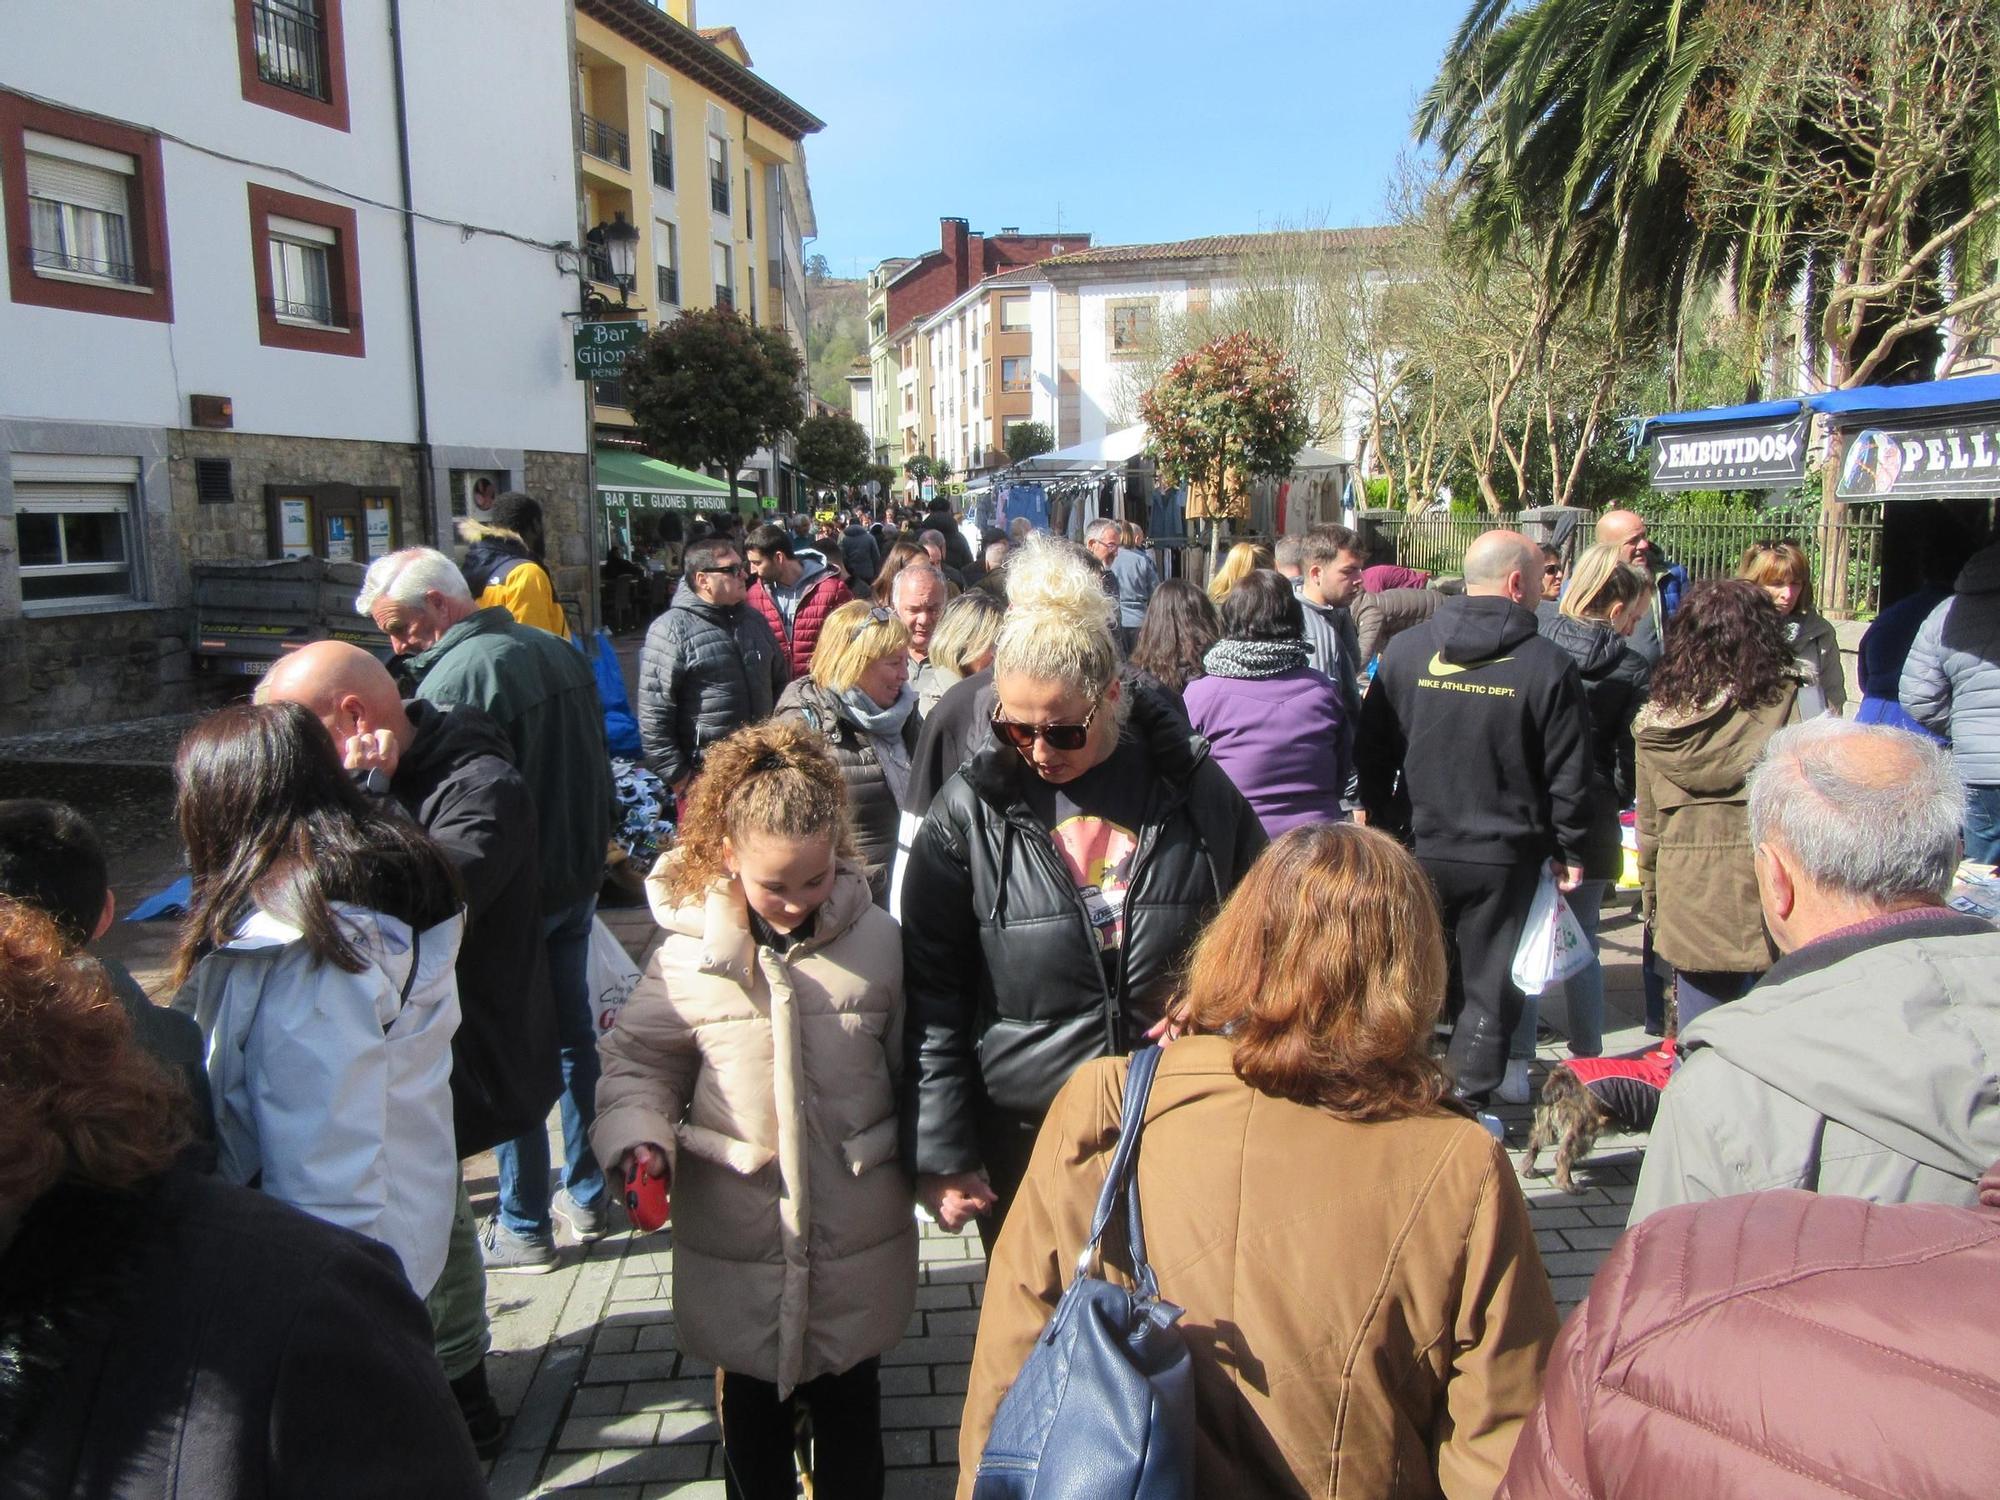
<point>1280,739</point>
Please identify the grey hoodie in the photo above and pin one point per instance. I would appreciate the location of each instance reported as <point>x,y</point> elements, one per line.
<point>1867,1064</point>
<point>1951,678</point>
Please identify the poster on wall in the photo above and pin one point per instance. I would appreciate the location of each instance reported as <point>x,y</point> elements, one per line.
<point>1765,456</point>
<point>295,526</point>
<point>1956,462</point>
<point>376,512</point>
<point>339,539</point>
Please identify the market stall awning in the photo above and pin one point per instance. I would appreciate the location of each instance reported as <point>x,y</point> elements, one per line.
<point>635,482</point>
<point>1936,439</point>
<point>1112,451</point>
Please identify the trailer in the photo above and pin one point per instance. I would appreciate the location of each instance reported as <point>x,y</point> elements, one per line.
<point>248,615</point>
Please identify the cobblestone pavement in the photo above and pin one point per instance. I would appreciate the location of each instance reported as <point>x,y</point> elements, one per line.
<point>605,1403</point>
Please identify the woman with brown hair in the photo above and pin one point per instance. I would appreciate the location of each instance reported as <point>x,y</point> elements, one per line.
<point>1181,624</point>
<point>1727,681</point>
<point>1362,1290</point>
<point>900,557</point>
<point>161,1332</point>
<point>1782,570</point>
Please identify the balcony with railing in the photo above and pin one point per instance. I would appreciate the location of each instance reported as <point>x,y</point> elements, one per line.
<point>290,38</point>
<point>663,164</point>
<point>668,284</point>
<point>606,142</point>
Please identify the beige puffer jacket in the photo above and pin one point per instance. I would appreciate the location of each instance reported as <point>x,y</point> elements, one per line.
<point>769,1080</point>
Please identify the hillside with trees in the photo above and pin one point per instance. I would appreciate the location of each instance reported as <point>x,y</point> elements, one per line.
<point>836,330</point>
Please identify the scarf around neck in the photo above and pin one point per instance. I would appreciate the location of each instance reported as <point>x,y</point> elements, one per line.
<point>874,719</point>
<point>1252,659</point>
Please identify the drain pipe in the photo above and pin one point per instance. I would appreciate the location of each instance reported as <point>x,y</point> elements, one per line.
<point>426,486</point>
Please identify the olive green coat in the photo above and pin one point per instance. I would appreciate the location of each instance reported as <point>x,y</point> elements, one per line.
<point>1693,771</point>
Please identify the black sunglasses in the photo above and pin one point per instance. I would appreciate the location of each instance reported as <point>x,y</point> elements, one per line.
<point>735,570</point>
<point>1058,736</point>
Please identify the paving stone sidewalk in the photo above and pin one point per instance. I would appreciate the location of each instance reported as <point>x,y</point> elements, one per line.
<point>605,1403</point>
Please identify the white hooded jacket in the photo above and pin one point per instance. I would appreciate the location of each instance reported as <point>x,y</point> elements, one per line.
<point>333,1090</point>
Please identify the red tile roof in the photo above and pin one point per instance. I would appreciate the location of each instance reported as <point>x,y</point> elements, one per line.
<point>1360,238</point>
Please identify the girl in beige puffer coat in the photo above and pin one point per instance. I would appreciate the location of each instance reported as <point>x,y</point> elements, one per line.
<point>754,1068</point>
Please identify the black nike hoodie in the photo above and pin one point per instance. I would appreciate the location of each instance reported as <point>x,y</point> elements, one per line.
<point>1475,739</point>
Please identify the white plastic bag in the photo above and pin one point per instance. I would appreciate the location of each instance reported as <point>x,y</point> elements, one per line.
<point>1552,945</point>
<point>612,975</point>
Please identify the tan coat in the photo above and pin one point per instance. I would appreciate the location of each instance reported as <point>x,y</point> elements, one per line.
<point>1366,1309</point>
<point>769,1079</point>
<point>1693,771</point>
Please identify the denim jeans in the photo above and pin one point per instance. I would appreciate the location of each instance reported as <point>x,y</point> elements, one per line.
<point>1698,992</point>
<point>524,1162</point>
<point>1583,991</point>
<point>1655,983</point>
<point>1982,824</point>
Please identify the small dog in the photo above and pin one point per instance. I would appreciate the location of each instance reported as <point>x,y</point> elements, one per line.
<point>1583,1096</point>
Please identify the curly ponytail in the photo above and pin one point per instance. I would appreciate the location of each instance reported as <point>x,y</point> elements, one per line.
<point>771,778</point>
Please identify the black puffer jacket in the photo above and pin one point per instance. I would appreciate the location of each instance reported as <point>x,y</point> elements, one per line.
<point>1001,968</point>
<point>869,798</point>
<point>457,779</point>
<point>704,672</point>
<point>1615,680</point>
<point>862,556</point>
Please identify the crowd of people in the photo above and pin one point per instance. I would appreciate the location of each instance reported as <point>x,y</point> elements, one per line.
<point>963,821</point>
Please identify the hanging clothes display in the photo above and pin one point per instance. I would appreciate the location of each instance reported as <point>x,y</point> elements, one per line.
<point>1165,517</point>
<point>1024,501</point>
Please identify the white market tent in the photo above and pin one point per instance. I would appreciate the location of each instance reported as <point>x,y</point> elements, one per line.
<point>1116,449</point>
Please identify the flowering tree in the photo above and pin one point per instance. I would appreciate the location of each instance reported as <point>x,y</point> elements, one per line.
<point>1228,412</point>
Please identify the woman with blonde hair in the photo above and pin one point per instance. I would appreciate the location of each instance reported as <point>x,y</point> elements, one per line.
<point>962,644</point>
<point>1244,559</point>
<point>857,698</point>
<point>752,1071</point>
<point>1024,955</point>
<point>1782,570</point>
<point>1607,598</point>
<point>1362,1290</point>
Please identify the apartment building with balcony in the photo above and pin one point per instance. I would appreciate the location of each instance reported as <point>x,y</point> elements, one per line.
<point>982,380</point>
<point>903,295</point>
<point>677,137</point>
<point>275,284</point>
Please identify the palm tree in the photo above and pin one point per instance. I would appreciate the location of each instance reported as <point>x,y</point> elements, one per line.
<point>1649,147</point>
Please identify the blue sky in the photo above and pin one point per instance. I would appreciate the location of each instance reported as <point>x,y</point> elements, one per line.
<point>1131,121</point>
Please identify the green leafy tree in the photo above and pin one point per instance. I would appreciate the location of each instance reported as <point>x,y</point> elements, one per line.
<point>711,388</point>
<point>941,470</point>
<point>1228,412</point>
<point>833,449</point>
<point>1026,439</point>
<point>920,466</point>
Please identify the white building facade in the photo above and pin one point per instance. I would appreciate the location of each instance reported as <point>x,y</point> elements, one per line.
<point>231,341</point>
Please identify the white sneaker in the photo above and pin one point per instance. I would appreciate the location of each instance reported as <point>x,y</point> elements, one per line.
<point>1515,1087</point>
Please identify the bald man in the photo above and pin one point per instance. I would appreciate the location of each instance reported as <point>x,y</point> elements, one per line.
<point>1475,743</point>
<point>1626,530</point>
<point>449,768</point>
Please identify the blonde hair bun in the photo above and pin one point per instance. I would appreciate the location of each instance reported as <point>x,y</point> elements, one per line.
<point>1059,619</point>
<point>1047,577</point>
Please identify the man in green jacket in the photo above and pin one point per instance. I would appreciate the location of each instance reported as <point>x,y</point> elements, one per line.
<point>543,694</point>
<point>1862,1063</point>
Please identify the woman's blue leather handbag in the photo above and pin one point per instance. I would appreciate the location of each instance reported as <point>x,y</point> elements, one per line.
<point>1104,1406</point>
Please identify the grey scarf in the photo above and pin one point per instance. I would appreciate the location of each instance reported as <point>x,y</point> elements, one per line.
<point>1252,659</point>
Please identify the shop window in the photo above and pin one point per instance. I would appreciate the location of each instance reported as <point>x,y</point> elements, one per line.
<point>86,224</point>
<point>1131,328</point>
<point>1013,314</point>
<point>291,57</point>
<point>339,522</point>
<point>307,272</point>
<point>73,527</point>
<point>1014,374</point>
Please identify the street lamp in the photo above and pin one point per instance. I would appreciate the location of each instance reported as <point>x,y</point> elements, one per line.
<point>619,240</point>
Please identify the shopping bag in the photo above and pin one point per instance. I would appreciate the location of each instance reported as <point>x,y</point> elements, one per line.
<point>1552,945</point>
<point>612,975</point>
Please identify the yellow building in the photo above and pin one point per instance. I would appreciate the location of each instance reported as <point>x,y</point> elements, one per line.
<point>680,139</point>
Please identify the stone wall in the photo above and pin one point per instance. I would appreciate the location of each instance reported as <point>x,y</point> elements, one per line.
<point>64,670</point>
<point>575,533</point>
<point>238,530</point>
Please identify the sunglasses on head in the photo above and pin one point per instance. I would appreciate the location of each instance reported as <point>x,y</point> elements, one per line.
<point>1057,736</point>
<point>879,615</point>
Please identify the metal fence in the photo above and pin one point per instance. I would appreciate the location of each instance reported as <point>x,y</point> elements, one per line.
<point>1846,555</point>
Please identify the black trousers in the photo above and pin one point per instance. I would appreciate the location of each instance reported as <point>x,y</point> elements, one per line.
<point>758,1432</point>
<point>1006,1142</point>
<point>1484,908</point>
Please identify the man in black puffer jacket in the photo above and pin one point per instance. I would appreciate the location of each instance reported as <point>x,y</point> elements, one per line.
<point>1009,986</point>
<point>710,665</point>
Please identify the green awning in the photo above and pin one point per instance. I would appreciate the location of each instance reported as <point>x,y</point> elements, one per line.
<point>631,481</point>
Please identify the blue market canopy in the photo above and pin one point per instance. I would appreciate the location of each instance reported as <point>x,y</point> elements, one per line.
<point>1929,395</point>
